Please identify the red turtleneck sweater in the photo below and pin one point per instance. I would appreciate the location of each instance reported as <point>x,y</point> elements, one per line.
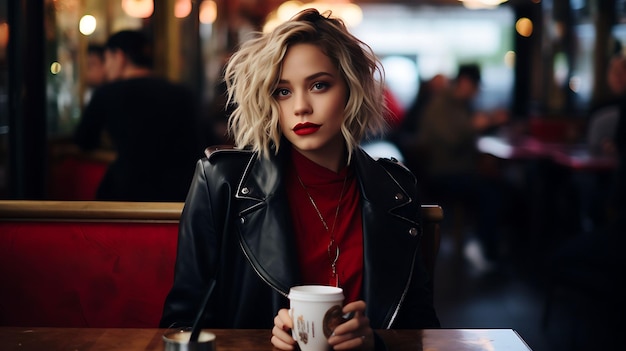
<point>312,239</point>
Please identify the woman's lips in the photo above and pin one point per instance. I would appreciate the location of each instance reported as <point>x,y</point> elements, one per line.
<point>306,128</point>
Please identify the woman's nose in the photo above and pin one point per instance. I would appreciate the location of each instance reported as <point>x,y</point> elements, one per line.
<point>302,105</point>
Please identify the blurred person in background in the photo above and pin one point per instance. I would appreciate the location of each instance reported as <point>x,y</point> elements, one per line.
<point>594,187</point>
<point>150,122</point>
<point>603,118</point>
<point>404,135</point>
<point>95,74</point>
<point>447,132</point>
<point>428,90</point>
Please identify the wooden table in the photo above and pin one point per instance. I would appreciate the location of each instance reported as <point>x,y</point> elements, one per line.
<point>101,339</point>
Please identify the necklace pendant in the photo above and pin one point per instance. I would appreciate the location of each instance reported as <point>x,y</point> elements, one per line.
<point>334,280</point>
<point>333,255</point>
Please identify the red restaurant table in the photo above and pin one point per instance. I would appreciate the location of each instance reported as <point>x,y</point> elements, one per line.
<point>110,339</point>
<point>574,156</point>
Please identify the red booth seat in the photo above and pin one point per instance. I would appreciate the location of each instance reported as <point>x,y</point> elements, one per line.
<point>86,264</point>
<point>75,175</point>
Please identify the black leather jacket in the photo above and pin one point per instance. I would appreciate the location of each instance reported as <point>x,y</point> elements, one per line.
<point>236,228</point>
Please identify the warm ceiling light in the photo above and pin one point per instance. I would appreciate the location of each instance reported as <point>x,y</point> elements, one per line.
<point>55,68</point>
<point>138,8</point>
<point>350,13</point>
<point>287,9</point>
<point>4,35</point>
<point>493,2</point>
<point>524,27</point>
<point>208,11</point>
<point>509,59</point>
<point>182,8</point>
<point>87,24</point>
<point>482,4</point>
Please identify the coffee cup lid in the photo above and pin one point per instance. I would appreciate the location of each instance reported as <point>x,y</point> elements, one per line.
<point>316,293</point>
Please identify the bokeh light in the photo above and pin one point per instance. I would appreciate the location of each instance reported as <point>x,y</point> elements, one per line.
<point>524,27</point>
<point>87,25</point>
<point>182,8</point>
<point>138,8</point>
<point>208,11</point>
<point>55,68</point>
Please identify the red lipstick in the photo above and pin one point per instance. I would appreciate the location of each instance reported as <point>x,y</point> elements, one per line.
<point>306,128</point>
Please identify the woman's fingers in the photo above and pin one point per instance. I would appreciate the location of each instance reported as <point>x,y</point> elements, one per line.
<point>282,320</point>
<point>281,343</point>
<point>285,319</point>
<point>355,333</point>
<point>281,333</point>
<point>353,341</point>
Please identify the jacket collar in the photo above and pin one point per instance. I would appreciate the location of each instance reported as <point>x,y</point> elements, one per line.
<point>264,177</point>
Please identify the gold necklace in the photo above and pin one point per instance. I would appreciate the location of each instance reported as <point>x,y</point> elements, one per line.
<point>333,248</point>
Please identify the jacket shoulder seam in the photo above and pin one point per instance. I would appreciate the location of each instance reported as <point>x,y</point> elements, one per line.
<point>212,152</point>
<point>393,165</point>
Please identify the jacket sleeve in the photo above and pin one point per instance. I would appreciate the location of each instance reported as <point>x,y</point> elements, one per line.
<point>197,254</point>
<point>418,311</point>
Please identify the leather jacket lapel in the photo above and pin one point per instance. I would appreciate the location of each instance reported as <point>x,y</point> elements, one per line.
<point>265,225</point>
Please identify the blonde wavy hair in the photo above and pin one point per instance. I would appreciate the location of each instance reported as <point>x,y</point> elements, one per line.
<point>253,72</point>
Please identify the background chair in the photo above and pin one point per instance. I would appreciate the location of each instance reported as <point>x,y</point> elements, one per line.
<point>432,215</point>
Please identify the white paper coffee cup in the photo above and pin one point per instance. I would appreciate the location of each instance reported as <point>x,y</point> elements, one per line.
<point>315,311</point>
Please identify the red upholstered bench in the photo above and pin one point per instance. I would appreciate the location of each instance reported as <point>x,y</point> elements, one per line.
<point>100,264</point>
<point>75,175</point>
<point>86,264</point>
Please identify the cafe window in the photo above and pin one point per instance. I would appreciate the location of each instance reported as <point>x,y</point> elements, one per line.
<point>184,29</point>
<point>70,27</point>
<point>418,42</point>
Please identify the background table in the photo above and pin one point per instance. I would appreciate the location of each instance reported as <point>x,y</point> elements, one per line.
<point>573,156</point>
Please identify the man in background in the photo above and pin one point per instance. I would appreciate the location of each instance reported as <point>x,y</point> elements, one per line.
<point>446,135</point>
<point>95,74</point>
<point>603,119</point>
<point>149,121</point>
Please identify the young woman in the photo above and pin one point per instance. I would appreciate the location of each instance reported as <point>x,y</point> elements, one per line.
<point>298,201</point>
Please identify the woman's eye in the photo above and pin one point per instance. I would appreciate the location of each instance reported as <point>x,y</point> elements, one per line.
<point>280,92</point>
<point>320,86</point>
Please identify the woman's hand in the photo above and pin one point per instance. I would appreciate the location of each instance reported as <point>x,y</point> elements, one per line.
<point>354,334</point>
<point>281,333</point>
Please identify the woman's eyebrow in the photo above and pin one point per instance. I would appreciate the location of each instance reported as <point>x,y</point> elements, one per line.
<point>311,77</point>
